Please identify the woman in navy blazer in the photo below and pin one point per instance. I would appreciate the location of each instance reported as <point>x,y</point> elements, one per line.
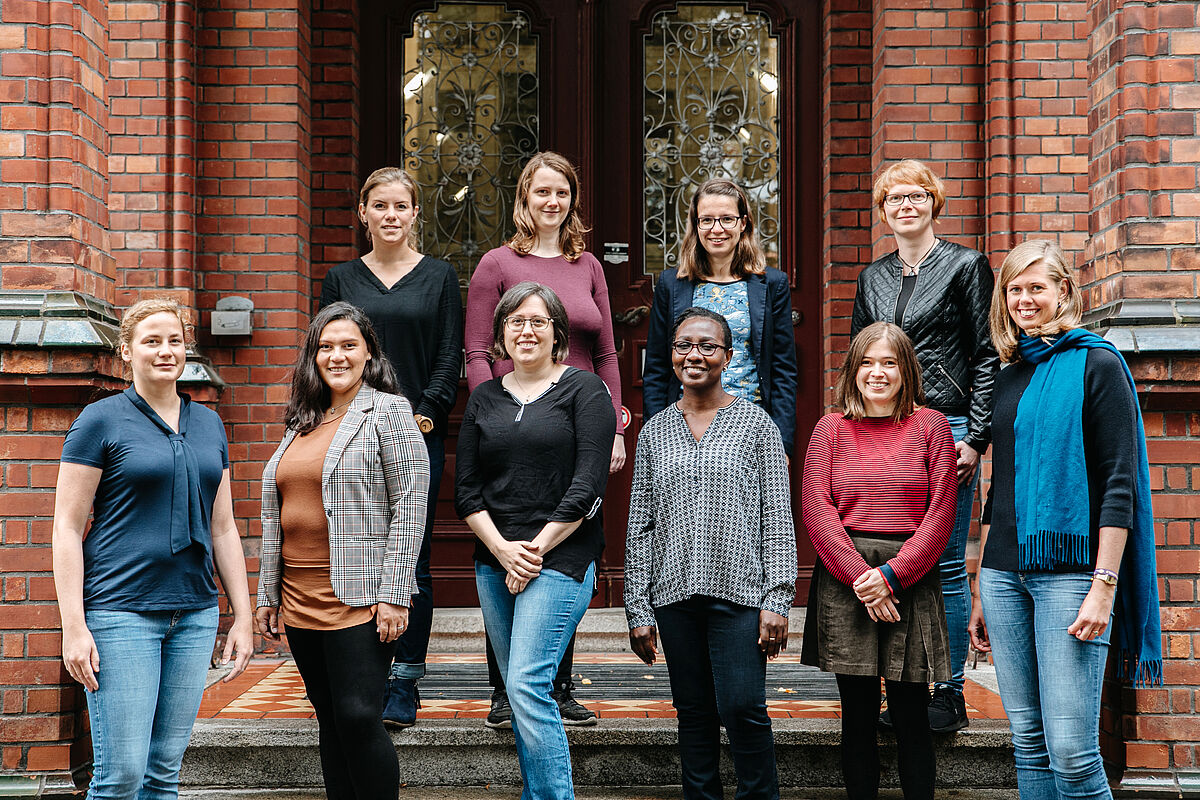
<point>343,515</point>
<point>722,267</point>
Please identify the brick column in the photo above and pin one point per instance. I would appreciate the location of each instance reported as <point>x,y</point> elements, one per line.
<point>56,328</point>
<point>846,176</point>
<point>1036,125</point>
<point>927,104</point>
<point>253,219</point>
<point>1140,279</point>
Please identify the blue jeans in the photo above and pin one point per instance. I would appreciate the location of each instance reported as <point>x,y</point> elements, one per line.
<point>153,667</point>
<point>413,645</point>
<point>718,677</point>
<point>956,591</point>
<point>530,632</point>
<point>1050,681</point>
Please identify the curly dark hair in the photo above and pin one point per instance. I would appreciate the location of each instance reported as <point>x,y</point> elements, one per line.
<point>310,396</point>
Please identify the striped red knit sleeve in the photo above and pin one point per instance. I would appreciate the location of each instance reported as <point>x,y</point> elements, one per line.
<point>818,511</point>
<point>922,551</point>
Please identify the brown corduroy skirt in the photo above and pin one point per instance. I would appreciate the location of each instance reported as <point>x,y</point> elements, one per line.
<point>841,637</point>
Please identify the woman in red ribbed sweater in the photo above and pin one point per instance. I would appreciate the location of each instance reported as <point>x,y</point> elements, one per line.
<point>878,502</point>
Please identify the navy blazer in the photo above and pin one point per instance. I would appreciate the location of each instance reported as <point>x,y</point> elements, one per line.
<point>771,343</point>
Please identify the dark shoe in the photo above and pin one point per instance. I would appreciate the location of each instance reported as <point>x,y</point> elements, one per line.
<point>885,720</point>
<point>572,711</point>
<point>947,710</point>
<point>500,715</point>
<point>401,704</point>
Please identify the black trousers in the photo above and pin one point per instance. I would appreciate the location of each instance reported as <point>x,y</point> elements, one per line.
<point>909,706</point>
<point>345,673</point>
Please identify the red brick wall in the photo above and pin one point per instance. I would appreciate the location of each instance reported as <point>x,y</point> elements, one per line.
<point>53,237</point>
<point>927,85</point>
<point>1143,71</point>
<point>1036,125</point>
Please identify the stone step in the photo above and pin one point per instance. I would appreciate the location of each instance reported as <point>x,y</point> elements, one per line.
<point>240,755</point>
<point>495,792</point>
<point>602,630</point>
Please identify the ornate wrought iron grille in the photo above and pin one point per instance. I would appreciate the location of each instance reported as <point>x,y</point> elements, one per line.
<point>710,110</point>
<point>470,124</point>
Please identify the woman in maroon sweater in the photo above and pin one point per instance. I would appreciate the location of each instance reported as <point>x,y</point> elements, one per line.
<point>878,502</point>
<point>547,249</point>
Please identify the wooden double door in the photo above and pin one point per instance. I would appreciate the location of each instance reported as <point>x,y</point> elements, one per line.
<point>648,99</point>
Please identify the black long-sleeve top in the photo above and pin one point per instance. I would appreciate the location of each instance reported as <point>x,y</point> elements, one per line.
<point>549,466</point>
<point>419,322</point>
<point>1109,448</point>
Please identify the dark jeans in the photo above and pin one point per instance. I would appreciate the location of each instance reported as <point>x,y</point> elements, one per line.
<point>718,677</point>
<point>344,674</point>
<point>413,645</point>
<point>909,706</point>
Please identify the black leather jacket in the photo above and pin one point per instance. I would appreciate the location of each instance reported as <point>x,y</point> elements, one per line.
<point>947,320</point>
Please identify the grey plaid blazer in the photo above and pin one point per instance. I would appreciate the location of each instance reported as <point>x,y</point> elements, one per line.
<point>374,485</point>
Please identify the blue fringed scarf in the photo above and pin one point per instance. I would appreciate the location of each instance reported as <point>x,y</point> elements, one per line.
<point>1053,508</point>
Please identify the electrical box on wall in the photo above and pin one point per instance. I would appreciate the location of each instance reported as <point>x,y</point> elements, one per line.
<point>232,317</point>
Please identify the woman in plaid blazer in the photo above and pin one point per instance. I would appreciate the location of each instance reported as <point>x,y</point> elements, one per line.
<point>343,513</point>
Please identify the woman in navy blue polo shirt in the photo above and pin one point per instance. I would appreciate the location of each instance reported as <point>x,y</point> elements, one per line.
<point>137,596</point>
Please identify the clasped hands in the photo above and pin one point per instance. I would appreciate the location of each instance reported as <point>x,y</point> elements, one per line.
<point>873,592</point>
<point>521,562</point>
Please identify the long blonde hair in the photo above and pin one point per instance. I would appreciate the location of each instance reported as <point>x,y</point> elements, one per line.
<point>1005,332</point>
<point>748,256</point>
<point>570,233</point>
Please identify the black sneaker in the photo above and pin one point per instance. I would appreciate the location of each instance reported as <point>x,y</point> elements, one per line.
<point>947,710</point>
<point>500,715</point>
<point>572,711</point>
<point>401,703</point>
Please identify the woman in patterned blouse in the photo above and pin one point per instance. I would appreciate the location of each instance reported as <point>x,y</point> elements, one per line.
<point>710,561</point>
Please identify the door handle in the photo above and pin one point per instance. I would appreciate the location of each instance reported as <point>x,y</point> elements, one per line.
<point>632,316</point>
<point>797,318</point>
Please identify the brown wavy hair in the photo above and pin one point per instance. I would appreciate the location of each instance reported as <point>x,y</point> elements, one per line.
<point>911,394</point>
<point>570,233</point>
<point>1070,312</point>
<point>748,256</point>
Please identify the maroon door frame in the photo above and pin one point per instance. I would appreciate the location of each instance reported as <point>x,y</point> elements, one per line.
<point>590,79</point>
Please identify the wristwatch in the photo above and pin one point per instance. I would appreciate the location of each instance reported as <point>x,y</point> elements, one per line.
<point>1105,576</point>
<point>424,423</point>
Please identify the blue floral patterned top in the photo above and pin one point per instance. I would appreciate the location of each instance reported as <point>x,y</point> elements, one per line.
<point>731,301</point>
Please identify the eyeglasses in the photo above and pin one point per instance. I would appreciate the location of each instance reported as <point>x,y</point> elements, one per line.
<point>916,198</point>
<point>705,348</point>
<point>726,222</point>
<point>517,324</point>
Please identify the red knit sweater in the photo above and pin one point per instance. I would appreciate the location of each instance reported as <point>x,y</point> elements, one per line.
<point>879,476</point>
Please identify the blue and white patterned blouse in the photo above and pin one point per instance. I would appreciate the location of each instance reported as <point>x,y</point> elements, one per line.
<point>710,517</point>
<point>731,301</point>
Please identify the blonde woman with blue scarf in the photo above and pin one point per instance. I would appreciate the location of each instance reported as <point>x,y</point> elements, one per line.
<point>1067,569</point>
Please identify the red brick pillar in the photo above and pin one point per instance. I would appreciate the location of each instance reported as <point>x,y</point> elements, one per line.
<point>1036,125</point>
<point>1140,280</point>
<point>56,325</point>
<point>253,223</point>
<point>926,104</point>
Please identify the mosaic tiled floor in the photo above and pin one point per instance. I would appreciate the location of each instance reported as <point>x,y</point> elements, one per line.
<point>614,685</point>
